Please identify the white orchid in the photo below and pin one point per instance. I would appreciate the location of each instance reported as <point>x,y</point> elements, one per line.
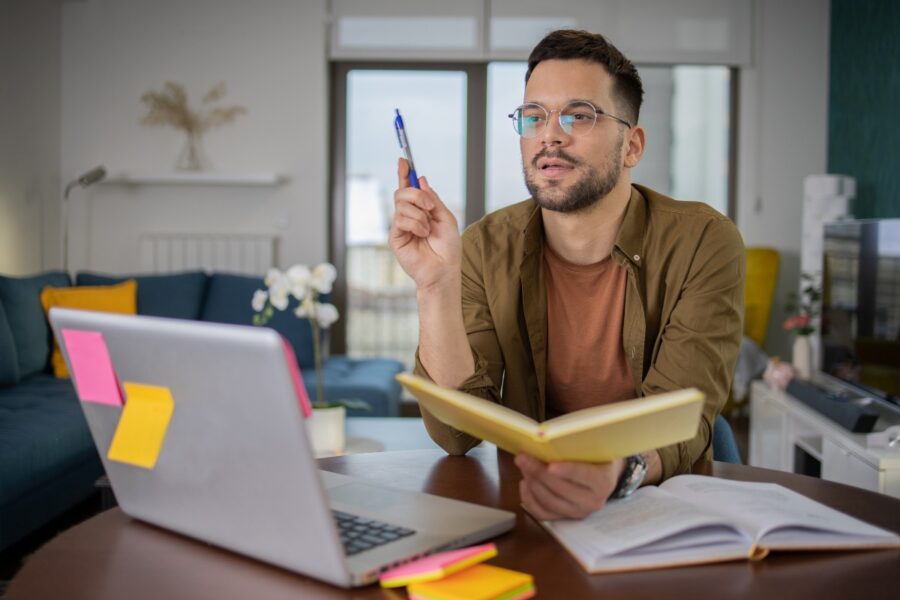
<point>260,297</point>
<point>299,278</point>
<point>279,291</point>
<point>271,277</point>
<point>306,308</point>
<point>323,277</point>
<point>326,314</point>
<point>306,286</point>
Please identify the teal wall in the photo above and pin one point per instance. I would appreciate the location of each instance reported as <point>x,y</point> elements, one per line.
<point>864,102</point>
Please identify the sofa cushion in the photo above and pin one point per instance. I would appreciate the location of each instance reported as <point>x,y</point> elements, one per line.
<point>177,295</point>
<point>228,301</point>
<point>119,298</point>
<point>9,367</point>
<point>368,379</point>
<point>43,433</point>
<point>21,298</point>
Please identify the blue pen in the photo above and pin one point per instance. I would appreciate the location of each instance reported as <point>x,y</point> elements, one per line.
<point>404,145</point>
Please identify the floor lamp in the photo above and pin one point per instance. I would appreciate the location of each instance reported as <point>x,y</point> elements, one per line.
<point>85,180</point>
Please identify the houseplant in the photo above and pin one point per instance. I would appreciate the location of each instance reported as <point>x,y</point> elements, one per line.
<point>306,286</point>
<point>170,107</point>
<point>803,309</point>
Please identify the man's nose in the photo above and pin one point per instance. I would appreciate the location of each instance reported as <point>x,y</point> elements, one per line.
<point>553,134</point>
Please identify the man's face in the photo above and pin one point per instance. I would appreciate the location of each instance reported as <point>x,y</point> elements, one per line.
<point>567,173</point>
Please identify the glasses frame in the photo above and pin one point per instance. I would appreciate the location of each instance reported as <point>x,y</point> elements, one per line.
<point>598,112</point>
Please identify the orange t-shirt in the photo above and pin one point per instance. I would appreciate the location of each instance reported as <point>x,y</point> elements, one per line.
<point>586,363</point>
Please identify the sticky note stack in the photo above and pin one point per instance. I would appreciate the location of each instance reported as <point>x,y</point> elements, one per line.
<point>481,582</point>
<point>457,575</point>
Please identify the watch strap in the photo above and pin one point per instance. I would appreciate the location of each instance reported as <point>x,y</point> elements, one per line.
<point>632,476</point>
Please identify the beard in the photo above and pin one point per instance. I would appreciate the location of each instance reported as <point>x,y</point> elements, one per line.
<point>585,192</point>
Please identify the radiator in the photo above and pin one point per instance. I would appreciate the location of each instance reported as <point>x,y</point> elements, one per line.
<point>232,253</point>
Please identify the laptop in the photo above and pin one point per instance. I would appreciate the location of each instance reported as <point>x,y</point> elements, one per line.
<point>235,468</point>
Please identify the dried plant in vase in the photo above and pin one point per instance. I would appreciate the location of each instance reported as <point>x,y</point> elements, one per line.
<point>170,107</point>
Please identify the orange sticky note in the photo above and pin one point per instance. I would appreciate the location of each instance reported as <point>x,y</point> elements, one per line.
<point>92,369</point>
<point>141,432</point>
<point>481,582</point>
<point>437,566</point>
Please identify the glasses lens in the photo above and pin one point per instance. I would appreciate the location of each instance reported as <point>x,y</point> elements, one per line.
<point>577,118</point>
<point>529,120</point>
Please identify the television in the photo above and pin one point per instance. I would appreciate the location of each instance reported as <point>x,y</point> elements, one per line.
<point>861,304</point>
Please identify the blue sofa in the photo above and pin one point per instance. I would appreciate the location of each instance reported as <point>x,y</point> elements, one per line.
<point>48,462</point>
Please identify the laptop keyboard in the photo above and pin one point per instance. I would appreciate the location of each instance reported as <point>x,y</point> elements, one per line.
<point>359,534</point>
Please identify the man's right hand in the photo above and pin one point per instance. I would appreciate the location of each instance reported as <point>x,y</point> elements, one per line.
<point>424,234</point>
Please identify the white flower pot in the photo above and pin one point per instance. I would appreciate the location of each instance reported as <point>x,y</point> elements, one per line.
<point>326,430</point>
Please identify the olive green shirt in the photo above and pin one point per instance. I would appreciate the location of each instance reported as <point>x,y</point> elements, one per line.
<point>682,320</point>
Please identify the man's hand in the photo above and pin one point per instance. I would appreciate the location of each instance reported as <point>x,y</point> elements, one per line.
<point>566,490</point>
<point>424,235</point>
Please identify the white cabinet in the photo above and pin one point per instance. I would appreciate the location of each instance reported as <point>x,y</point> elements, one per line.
<point>787,435</point>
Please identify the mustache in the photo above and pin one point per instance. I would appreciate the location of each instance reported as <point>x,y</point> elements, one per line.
<point>561,154</point>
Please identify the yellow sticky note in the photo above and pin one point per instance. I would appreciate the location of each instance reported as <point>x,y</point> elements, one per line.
<point>142,429</point>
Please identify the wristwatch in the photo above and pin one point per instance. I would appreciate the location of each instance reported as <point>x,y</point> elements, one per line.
<point>632,476</point>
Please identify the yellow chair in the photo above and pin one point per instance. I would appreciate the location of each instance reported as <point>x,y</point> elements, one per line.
<point>762,275</point>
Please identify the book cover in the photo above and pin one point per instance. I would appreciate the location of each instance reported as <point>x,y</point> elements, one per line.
<point>596,434</point>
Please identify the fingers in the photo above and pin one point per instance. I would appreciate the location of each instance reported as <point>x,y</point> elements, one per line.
<point>533,507</point>
<point>412,219</point>
<point>402,173</point>
<point>601,479</point>
<point>569,490</point>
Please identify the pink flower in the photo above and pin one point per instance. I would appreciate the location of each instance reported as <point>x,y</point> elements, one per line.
<point>796,322</point>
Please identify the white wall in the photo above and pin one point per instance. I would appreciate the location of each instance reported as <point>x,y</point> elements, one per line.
<point>29,134</point>
<point>271,53</point>
<point>783,136</point>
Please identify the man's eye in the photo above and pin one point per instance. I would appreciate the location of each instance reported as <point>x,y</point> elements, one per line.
<point>580,116</point>
<point>533,119</point>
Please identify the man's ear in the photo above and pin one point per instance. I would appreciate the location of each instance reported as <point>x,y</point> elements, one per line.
<point>634,146</point>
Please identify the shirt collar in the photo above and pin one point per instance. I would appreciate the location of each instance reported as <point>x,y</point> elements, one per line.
<point>630,239</point>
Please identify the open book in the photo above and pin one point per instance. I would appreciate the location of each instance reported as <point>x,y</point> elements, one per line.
<point>596,434</point>
<point>692,519</point>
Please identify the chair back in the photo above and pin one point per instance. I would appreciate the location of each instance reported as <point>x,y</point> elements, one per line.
<point>762,275</point>
<point>724,446</point>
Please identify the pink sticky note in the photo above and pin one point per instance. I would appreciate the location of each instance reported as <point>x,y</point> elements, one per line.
<point>302,397</point>
<point>92,369</point>
<point>437,566</point>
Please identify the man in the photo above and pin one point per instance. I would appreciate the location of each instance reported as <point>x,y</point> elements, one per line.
<point>592,291</point>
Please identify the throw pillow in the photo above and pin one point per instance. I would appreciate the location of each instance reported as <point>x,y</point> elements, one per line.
<point>121,298</point>
<point>21,298</point>
<point>9,368</point>
<point>176,295</point>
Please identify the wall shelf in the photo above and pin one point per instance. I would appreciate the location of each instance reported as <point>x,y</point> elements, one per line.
<point>202,178</point>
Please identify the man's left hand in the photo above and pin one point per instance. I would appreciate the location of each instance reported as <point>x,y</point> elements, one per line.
<point>566,490</point>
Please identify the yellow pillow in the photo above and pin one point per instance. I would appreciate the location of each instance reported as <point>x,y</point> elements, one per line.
<point>119,298</point>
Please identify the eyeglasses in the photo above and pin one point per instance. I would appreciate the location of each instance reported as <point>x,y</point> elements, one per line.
<point>575,118</point>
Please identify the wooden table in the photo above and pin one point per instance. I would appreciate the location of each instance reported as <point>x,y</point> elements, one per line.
<point>113,556</point>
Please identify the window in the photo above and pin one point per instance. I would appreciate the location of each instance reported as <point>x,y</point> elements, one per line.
<point>463,142</point>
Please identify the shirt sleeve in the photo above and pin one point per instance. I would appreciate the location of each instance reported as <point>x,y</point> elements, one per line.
<point>485,381</point>
<point>701,340</point>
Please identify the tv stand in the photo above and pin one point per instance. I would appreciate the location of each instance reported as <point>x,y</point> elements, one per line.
<point>789,435</point>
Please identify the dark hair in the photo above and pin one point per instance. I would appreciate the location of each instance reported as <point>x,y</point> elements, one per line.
<point>573,43</point>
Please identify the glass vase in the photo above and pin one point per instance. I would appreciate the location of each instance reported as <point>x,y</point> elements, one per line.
<point>802,356</point>
<point>192,156</point>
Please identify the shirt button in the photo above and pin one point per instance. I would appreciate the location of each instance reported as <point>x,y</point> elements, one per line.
<point>636,257</point>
